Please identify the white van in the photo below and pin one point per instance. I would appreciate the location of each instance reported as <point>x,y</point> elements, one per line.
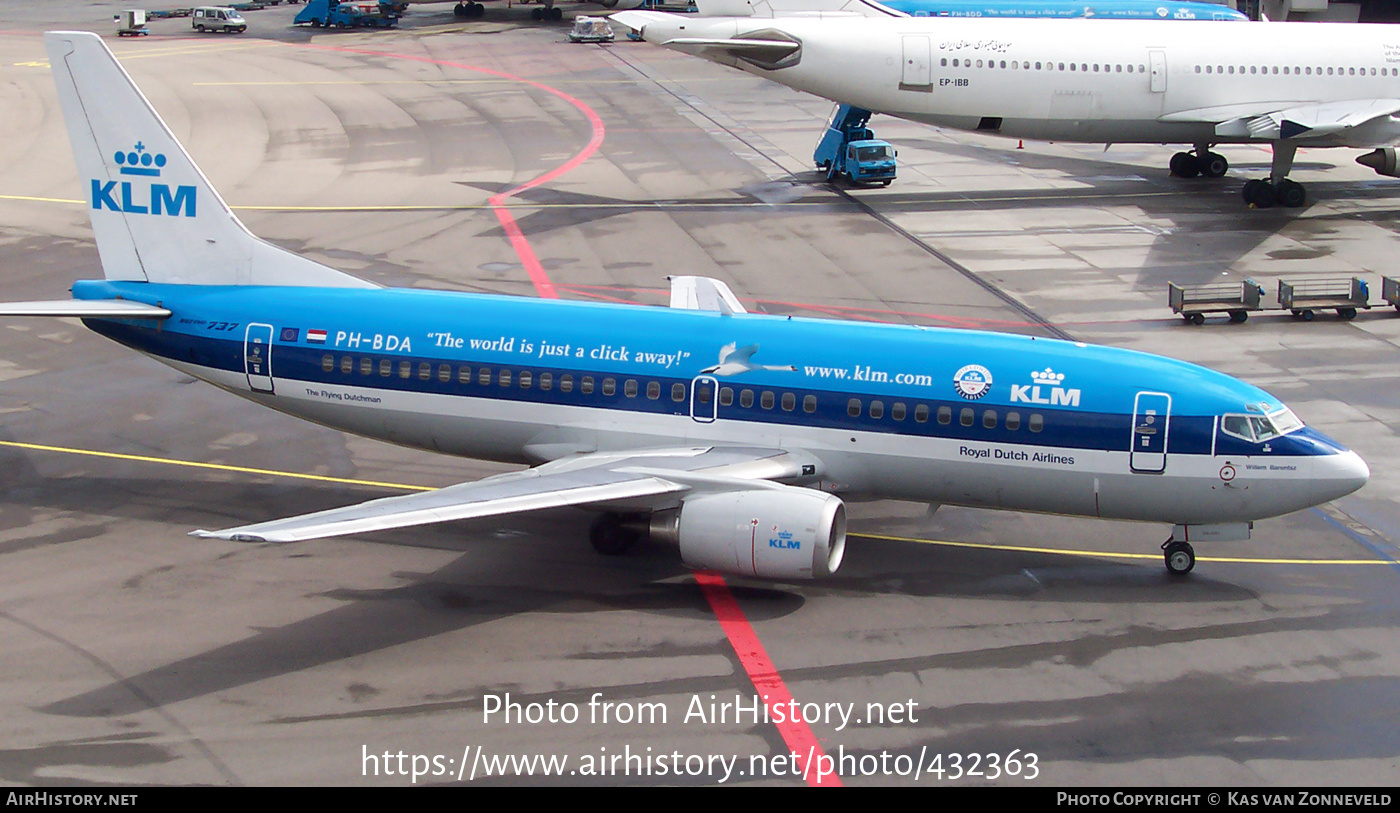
<point>216,18</point>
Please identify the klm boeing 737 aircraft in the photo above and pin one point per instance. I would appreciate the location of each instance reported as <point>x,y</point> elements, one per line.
<point>732,435</point>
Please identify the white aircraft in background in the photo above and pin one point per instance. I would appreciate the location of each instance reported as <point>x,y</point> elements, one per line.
<point>1289,85</point>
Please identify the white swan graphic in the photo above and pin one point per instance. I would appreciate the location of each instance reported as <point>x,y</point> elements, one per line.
<point>733,361</point>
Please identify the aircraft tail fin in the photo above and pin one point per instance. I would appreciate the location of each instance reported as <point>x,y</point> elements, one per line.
<point>155,216</point>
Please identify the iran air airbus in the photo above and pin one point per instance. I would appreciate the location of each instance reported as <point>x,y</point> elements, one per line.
<point>1288,85</point>
<point>730,434</point>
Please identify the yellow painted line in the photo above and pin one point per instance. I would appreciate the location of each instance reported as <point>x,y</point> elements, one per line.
<point>939,542</point>
<point>1112,555</point>
<point>215,466</point>
<point>32,199</point>
<point>428,207</point>
<point>197,49</point>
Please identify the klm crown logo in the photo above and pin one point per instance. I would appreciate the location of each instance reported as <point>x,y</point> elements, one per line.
<point>1045,388</point>
<point>139,162</point>
<point>138,197</point>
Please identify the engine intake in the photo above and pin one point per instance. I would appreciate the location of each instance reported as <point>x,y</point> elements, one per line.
<point>1381,160</point>
<point>782,533</point>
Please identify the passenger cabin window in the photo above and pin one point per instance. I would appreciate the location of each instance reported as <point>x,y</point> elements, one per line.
<point>809,403</point>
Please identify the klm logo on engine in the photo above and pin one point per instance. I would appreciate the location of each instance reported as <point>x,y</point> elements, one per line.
<point>784,539</point>
<point>137,197</point>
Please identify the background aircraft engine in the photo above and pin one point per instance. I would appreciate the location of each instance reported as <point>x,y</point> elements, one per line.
<point>1382,161</point>
<point>782,533</point>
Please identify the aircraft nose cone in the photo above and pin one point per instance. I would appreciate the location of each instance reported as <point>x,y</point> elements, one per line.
<point>1339,475</point>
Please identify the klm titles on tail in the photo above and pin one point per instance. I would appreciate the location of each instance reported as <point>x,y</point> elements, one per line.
<point>137,198</point>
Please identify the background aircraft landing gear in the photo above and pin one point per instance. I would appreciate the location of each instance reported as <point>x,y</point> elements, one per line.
<point>1263,194</point>
<point>548,13</point>
<point>614,534</point>
<point>469,10</point>
<point>1180,556</point>
<point>1204,162</point>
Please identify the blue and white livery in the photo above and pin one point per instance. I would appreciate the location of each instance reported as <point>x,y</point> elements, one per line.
<point>733,435</point>
<point>1066,9</point>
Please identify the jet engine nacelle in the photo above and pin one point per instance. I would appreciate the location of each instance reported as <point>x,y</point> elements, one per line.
<point>772,533</point>
<point>1382,161</point>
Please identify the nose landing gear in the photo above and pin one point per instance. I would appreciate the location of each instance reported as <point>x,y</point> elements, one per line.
<point>1180,556</point>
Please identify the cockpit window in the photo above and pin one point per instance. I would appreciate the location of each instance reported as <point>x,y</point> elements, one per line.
<point>1285,421</point>
<point>1237,425</point>
<point>1259,428</point>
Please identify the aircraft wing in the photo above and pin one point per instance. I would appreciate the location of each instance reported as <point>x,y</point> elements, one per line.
<point>652,479</point>
<point>1290,121</point>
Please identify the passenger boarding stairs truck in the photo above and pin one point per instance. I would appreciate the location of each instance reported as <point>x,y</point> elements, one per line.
<point>850,149</point>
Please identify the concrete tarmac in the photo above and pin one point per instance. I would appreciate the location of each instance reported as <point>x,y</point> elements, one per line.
<point>135,655</point>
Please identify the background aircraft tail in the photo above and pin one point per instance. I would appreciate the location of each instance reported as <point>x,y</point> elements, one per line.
<point>154,214</point>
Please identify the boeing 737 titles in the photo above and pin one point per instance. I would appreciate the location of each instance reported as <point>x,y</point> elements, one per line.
<point>732,435</point>
<point>1289,85</point>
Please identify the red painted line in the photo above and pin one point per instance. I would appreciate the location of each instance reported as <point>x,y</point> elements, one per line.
<point>754,658</point>
<point>543,285</point>
<point>766,680</point>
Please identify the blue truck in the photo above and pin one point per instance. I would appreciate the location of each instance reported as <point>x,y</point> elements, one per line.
<point>849,149</point>
<point>335,14</point>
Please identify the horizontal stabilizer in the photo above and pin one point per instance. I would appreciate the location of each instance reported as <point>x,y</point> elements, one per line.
<point>748,47</point>
<point>83,308</point>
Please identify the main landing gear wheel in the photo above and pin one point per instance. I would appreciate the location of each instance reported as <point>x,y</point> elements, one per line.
<point>550,13</point>
<point>611,536</point>
<point>1180,556</point>
<point>1262,194</point>
<point>1203,162</point>
<point>1184,165</point>
<point>469,9</point>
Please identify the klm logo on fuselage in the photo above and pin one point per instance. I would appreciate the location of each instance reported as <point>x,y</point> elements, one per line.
<point>1046,389</point>
<point>138,197</point>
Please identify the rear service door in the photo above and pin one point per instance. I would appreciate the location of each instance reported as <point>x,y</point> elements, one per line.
<point>1151,414</point>
<point>257,357</point>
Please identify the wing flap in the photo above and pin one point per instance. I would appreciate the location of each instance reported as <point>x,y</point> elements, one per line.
<point>1294,121</point>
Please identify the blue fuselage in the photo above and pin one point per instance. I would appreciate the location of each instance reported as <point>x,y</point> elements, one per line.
<point>935,415</point>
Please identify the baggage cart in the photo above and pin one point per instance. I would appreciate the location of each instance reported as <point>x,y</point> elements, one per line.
<point>1304,296</point>
<point>1390,291</point>
<point>1193,302</point>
